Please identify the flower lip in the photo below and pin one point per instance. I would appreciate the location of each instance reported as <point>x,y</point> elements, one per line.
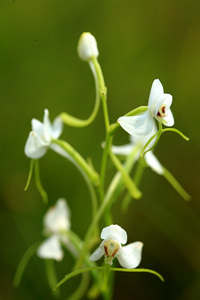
<point>161,112</point>
<point>111,247</point>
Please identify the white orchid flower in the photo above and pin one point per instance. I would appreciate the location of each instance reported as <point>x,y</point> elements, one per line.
<point>113,236</point>
<point>40,137</point>
<point>137,143</point>
<point>158,107</point>
<point>56,224</point>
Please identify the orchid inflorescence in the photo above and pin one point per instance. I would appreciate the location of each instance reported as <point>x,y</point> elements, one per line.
<point>144,125</point>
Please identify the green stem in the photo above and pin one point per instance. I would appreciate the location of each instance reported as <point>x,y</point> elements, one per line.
<point>158,134</point>
<point>137,178</point>
<point>90,231</point>
<point>38,182</point>
<point>176,131</point>
<point>83,173</point>
<point>130,185</point>
<point>105,109</point>
<point>105,278</point>
<point>105,158</point>
<point>80,271</point>
<point>23,262</point>
<point>51,275</point>
<point>176,185</point>
<point>77,242</point>
<point>29,174</point>
<point>116,186</point>
<point>142,270</point>
<point>81,290</point>
<point>76,122</point>
<point>99,74</point>
<point>102,90</point>
<point>92,174</point>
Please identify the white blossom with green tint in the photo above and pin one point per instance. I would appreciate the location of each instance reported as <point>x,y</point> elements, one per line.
<point>158,107</point>
<point>40,137</point>
<point>114,237</point>
<point>56,224</point>
<point>87,46</point>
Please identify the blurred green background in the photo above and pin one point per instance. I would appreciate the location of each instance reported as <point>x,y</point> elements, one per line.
<point>138,42</point>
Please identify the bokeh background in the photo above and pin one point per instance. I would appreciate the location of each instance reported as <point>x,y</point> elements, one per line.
<point>39,68</point>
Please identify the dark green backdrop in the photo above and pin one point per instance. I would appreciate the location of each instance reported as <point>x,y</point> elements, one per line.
<point>39,68</point>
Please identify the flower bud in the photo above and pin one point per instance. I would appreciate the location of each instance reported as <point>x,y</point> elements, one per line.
<point>87,46</point>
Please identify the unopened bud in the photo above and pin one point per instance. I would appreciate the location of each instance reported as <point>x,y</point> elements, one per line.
<point>87,46</point>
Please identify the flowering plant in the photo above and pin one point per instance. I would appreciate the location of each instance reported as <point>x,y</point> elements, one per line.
<point>140,123</point>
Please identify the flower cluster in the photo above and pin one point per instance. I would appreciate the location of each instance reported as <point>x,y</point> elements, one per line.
<point>144,135</point>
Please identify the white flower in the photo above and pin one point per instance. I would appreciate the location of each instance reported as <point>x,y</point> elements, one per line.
<point>113,236</point>
<point>158,107</point>
<point>56,224</point>
<point>40,137</point>
<point>137,143</point>
<point>87,46</point>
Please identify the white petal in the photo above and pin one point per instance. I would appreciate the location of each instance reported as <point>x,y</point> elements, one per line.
<point>47,132</point>
<point>97,254</point>
<point>137,125</point>
<point>169,118</point>
<point>57,218</point>
<point>130,256</point>
<point>115,232</point>
<point>37,127</point>
<point>167,101</point>
<point>156,91</point>
<point>153,163</point>
<point>51,249</point>
<point>157,105</point>
<point>35,147</point>
<point>143,139</point>
<point>57,128</point>
<point>122,150</point>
